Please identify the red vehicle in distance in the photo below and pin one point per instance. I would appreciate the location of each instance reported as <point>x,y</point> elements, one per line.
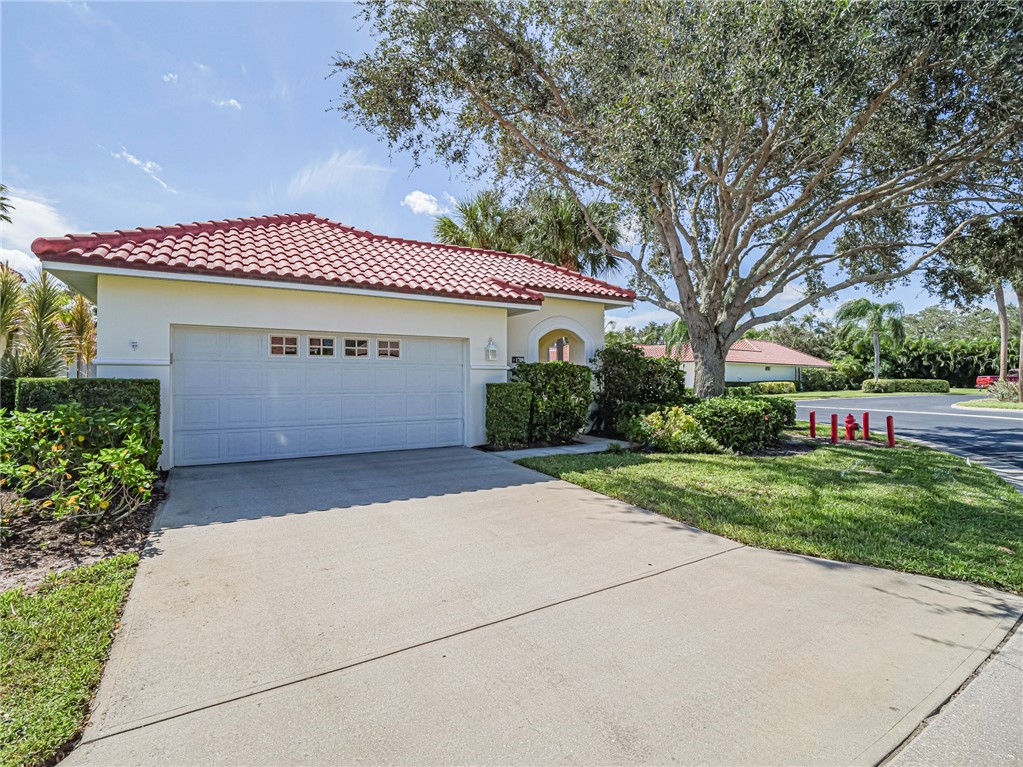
<point>985,381</point>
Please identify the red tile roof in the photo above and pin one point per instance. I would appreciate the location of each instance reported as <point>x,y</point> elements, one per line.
<point>747,351</point>
<point>305,248</point>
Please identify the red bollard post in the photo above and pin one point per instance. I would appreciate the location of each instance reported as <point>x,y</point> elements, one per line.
<point>866,425</point>
<point>890,422</point>
<point>813,424</point>
<point>834,428</point>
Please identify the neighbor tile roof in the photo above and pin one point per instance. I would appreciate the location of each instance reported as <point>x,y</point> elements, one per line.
<point>747,351</point>
<point>305,248</point>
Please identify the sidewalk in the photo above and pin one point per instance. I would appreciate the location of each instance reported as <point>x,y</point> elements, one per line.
<point>588,445</point>
<point>982,725</point>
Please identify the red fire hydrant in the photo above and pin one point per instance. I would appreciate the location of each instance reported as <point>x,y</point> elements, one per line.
<point>850,427</point>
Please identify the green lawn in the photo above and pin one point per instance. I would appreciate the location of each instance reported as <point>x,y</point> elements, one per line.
<point>53,644</point>
<point>907,508</point>
<point>993,403</point>
<point>858,393</point>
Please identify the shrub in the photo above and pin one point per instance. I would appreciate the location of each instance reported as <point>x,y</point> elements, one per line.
<point>784,408</point>
<point>508,414</point>
<point>822,379</point>
<point>891,385</point>
<point>84,465</point>
<point>113,393</point>
<point>8,391</point>
<point>628,415</point>
<point>773,387</point>
<point>672,430</point>
<point>561,399</point>
<point>738,391</point>
<point>137,399</point>
<point>738,423</point>
<point>1004,391</point>
<point>624,374</point>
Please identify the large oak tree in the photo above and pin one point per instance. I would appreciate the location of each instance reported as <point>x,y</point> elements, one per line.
<point>774,153</point>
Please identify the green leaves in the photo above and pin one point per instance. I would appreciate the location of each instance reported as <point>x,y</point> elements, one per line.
<point>79,464</point>
<point>759,145</point>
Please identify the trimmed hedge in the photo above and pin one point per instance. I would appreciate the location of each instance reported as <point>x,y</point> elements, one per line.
<point>137,396</point>
<point>8,394</point>
<point>113,393</point>
<point>561,399</point>
<point>891,385</point>
<point>822,379</point>
<point>739,423</point>
<point>508,414</point>
<point>773,387</point>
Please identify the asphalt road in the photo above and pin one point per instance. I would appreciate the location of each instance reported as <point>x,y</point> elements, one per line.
<point>991,434</point>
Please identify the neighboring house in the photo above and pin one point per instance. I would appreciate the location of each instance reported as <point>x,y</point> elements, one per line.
<point>293,335</point>
<point>747,361</point>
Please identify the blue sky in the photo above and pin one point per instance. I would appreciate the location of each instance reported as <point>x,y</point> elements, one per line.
<point>117,115</point>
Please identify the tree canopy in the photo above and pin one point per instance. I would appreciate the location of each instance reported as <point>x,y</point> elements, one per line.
<point>808,143</point>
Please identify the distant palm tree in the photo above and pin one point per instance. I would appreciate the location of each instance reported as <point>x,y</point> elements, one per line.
<point>549,225</point>
<point>79,324</point>
<point>556,230</point>
<point>676,334</point>
<point>40,346</point>
<point>861,317</point>
<point>483,221</point>
<point>12,293</point>
<point>5,205</point>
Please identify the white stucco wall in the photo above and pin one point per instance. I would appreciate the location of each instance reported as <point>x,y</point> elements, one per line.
<point>143,310</point>
<point>746,372</point>
<point>583,318</point>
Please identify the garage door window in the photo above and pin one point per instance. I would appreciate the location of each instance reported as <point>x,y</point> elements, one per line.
<point>356,347</point>
<point>321,347</point>
<point>283,346</point>
<point>389,348</point>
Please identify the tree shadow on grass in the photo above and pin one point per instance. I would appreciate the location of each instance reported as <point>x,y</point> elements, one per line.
<point>924,513</point>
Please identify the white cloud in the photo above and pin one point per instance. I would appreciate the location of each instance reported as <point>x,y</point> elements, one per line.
<point>233,103</point>
<point>148,167</point>
<point>31,218</point>
<point>341,169</point>
<point>421,202</point>
<point>170,77</point>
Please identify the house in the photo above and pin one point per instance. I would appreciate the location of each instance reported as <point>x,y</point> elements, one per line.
<point>287,336</point>
<point>747,361</point>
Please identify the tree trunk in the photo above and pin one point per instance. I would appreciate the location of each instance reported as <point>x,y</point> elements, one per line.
<point>1018,287</point>
<point>877,356</point>
<point>1003,331</point>
<point>709,361</point>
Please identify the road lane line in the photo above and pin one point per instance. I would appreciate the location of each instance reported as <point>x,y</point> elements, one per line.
<point>1018,419</point>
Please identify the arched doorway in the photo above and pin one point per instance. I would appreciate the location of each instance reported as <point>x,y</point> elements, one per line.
<point>561,346</point>
<point>560,335</point>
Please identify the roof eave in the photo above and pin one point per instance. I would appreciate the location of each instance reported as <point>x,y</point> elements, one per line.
<point>52,262</point>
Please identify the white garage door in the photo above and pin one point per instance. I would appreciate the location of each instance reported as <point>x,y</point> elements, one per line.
<point>252,395</point>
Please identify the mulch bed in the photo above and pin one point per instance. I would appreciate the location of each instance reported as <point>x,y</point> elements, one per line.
<point>35,545</point>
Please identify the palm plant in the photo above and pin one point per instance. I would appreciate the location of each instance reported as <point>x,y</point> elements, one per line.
<point>676,334</point>
<point>556,230</point>
<point>482,221</point>
<point>79,324</point>
<point>12,293</point>
<point>40,346</point>
<point>861,318</point>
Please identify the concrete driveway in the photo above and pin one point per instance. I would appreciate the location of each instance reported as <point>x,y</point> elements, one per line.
<point>447,607</point>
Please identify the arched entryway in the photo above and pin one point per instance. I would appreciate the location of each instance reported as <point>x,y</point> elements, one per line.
<point>560,337</point>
